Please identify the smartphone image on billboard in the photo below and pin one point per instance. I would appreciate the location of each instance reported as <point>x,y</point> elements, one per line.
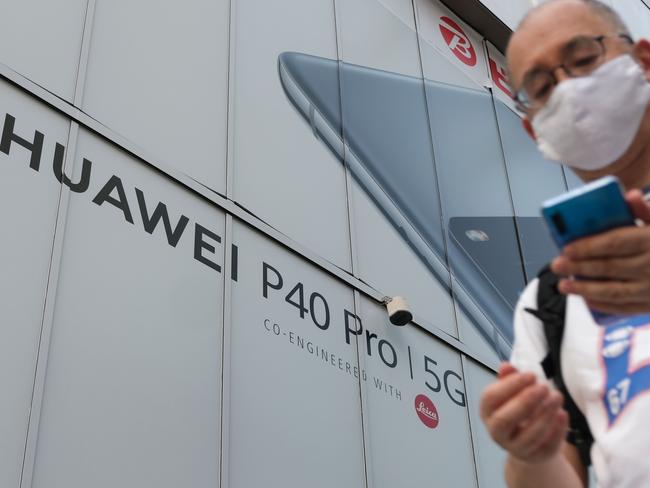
<point>475,254</point>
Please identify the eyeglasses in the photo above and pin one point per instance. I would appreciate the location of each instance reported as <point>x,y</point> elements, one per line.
<point>581,57</point>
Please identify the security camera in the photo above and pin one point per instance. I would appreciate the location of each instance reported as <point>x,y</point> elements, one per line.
<point>399,312</point>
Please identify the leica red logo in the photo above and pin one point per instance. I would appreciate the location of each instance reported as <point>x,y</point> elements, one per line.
<point>427,412</point>
<point>457,41</point>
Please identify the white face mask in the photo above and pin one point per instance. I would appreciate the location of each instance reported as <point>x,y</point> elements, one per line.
<point>589,122</point>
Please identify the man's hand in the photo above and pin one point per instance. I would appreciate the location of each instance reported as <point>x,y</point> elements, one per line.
<point>524,417</point>
<point>621,256</point>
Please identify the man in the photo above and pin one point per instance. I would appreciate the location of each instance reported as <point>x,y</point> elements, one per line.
<point>582,84</point>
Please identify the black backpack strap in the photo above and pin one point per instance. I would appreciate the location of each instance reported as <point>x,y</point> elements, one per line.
<point>551,309</point>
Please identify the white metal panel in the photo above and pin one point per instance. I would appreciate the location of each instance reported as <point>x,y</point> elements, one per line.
<point>389,43</point>
<point>133,384</point>
<point>158,75</point>
<point>294,401</point>
<point>28,208</point>
<point>383,255</point>
<point>474,340</point>
<point>402,9</point>
<point>490,458</point>
<point>408,445</point>
<point>636,15</point>
<point>41,40</point>
<point>281,172</point>
<point>509,11</point>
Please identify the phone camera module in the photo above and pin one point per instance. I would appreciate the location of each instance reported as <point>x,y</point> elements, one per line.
<point>559,223</point>
<point>477,235</point>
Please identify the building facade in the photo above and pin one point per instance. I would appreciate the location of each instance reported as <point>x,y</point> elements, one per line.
<point>206,205</point>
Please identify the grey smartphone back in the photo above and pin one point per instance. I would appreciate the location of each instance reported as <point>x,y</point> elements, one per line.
<point>391,138</point>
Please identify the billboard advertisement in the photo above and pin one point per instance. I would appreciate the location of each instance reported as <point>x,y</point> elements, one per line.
<point>339,385</point>
<point>409,137</point>
<point>206,206</point>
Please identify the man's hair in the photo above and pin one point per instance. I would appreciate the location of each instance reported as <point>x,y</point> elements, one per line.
<point>604,11</point>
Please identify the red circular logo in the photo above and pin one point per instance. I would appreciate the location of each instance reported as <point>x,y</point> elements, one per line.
<point>427,412</point>
<point>457,41</point>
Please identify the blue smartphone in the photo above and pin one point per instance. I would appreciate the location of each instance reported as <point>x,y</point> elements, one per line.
<point>590,209</point>
<point>596,207</point>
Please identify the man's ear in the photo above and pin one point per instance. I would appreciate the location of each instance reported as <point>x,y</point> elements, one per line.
<point>642,52</point>
<point>528,127</point>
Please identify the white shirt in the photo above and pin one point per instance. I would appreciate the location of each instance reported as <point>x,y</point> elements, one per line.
<point>607,372</point>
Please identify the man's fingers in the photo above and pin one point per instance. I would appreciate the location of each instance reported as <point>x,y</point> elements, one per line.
<point>619,268</point>
<point>622,308</point>
<point>625,241</point>
<point>556,435</point>
<point>505,420</point>
<point>611,292</point>
<point>534,433</point>
<point>506,369</point>
<point>639,206</point>
<point>502,390</point>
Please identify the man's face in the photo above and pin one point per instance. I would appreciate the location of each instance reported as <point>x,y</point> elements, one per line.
<point>540,44</point>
